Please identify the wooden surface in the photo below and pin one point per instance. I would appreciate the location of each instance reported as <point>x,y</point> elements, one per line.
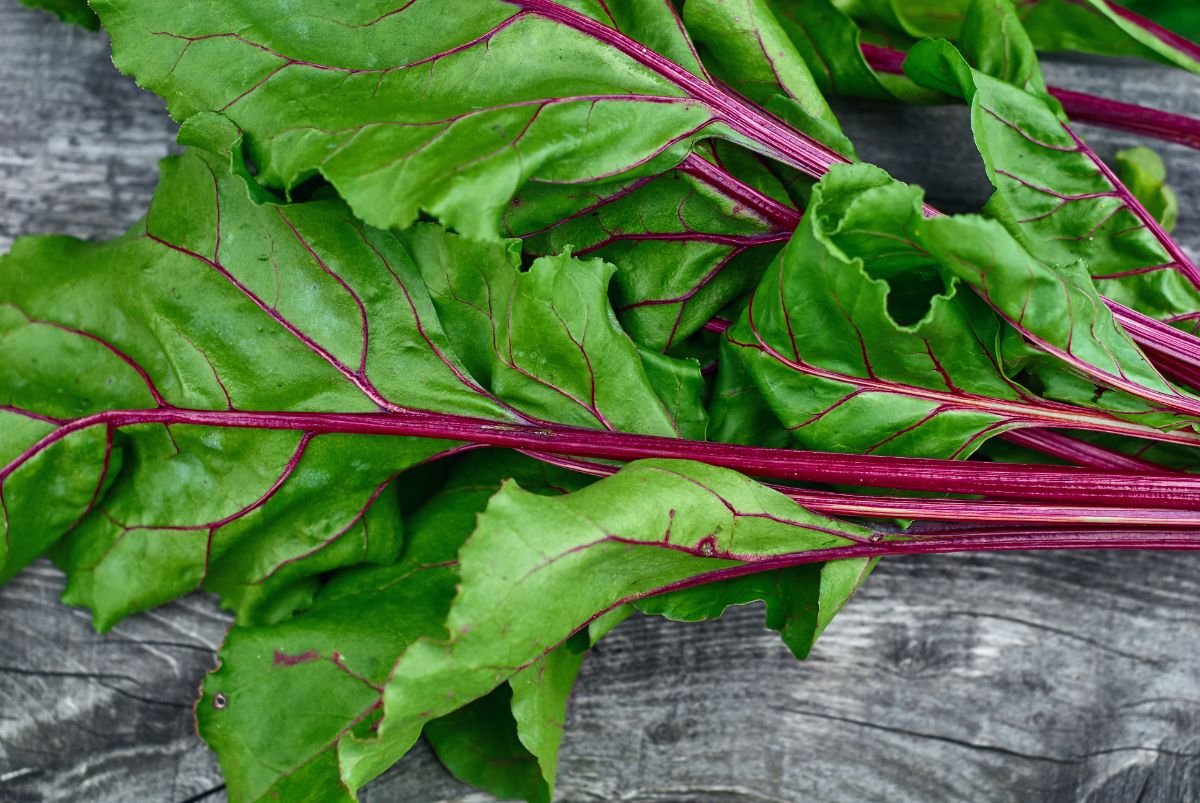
<point>1049,677</point>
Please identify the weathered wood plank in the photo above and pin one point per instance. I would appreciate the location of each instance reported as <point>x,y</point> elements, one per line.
<point>1003,677</point>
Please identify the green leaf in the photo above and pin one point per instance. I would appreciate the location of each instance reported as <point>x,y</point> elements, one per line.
<point>1181,18</point>
<point>800,600</point>
<point>1088,26</point>
<point>683,249</point>
<point>738,411</point>
<point>1057,195</point>
<point>748,49</point>
<point>479,745</point>
<point>996,43</point>
<point>538,569</point>
<point>412,109</point>
<point>531,336</point>
<point>830,42</point>
<point>1102,27</point>
<point>539,705</point>
<point>753,53</point>
<point>221,304</point>
<point>1143,172</point>
<point>286,695</point>
<point>76,12</point>
<point>862,337</point>
<point>182,505</point>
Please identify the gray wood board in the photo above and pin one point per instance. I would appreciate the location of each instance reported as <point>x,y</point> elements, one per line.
<point>958,678</point>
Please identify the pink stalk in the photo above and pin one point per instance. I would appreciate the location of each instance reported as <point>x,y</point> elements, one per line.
<point>948,510</point>
<point>771,211</point>
<point>949,541</point>
<point>1172,39</point>
<point>1081,453</point>
<point>1013,481</point>
<point>1129,117</point>
<point>1174,351</point>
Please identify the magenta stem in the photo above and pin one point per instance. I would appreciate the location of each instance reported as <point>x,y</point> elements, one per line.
<point>781,141</point>
<point>1050,483</point>
<point>1172,39</point>
<point>1080,453</point>
<point>969,541</point>
<point>780,215</point>
<point>1175,352</point>
<point>717,325</point>
<point>984,511</point>
<point>1129,117</point>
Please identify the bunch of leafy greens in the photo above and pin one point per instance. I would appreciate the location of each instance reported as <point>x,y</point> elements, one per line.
<point>452,339</point>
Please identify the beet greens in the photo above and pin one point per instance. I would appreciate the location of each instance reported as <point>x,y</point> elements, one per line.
<point>452,339</point>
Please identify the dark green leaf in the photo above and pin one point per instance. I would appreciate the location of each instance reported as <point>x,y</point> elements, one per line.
<point>995,42</point>
<point>478,743</point>
<point>72,11</point>
<point>831,44</point>
<point>738,411</point>
<point>794,599</point>
<point>748,49</point>
<point>683,250</point>
<point>1182,18</point>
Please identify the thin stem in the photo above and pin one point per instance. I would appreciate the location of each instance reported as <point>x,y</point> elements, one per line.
<point>969,541</point>
<point>1014,481</point>
<point>779,215</point>
<point>1169,37</point>
<point>1080,453</point>
<point>948,510</point>
<point>1129,117</point>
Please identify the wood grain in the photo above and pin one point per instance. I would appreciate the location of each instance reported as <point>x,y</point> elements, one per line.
<point>1047,677</point>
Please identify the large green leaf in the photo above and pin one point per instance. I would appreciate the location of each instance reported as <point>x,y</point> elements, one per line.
<point>859,344</point>
<point>286,695</point>
<point>409,108</point>
<point>489,141</point>
<point>222,305</point>
<point>1057,195</point>
<point>539,568</point>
